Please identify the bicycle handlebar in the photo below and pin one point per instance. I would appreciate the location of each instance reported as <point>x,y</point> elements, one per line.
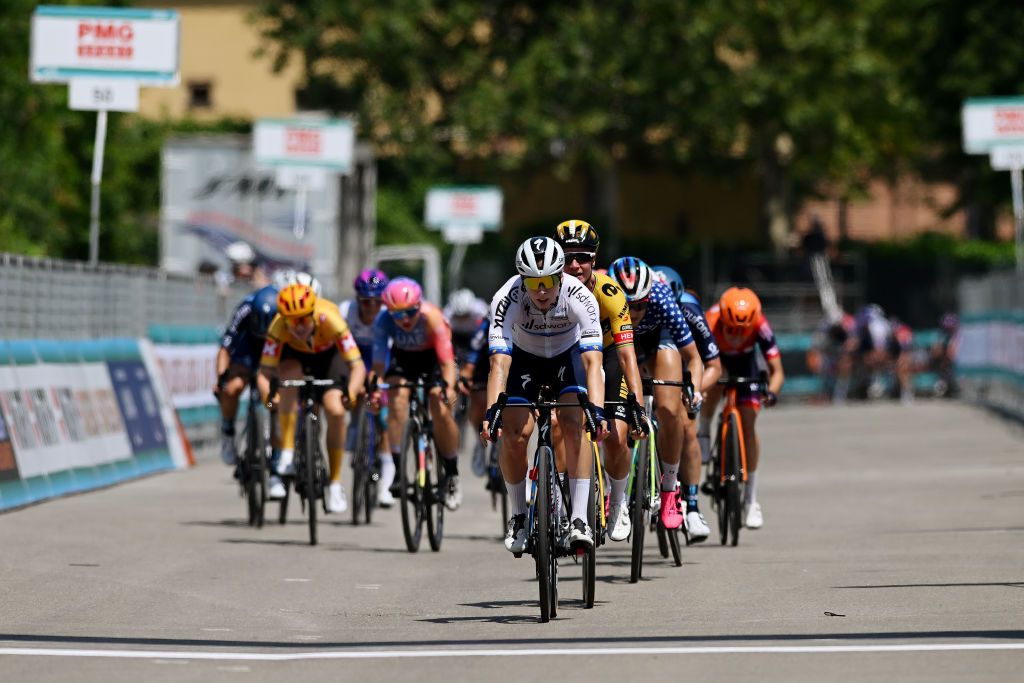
<point>686,385</point>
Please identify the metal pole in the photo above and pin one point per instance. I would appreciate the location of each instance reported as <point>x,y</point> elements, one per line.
<point>299,225</point>
<point>458,255</point>
<point>97,175</point>
<point>1018,215</point>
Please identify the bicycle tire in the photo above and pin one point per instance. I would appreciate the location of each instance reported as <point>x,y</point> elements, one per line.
<point>410,494</point>
<point>311,446</point>
<point>544,550</point>
<point>590,554</point>
<point>718,490</point>
<point>674,545</point>
<point>638,504</point>
<point>249,470</point>
<point>282,512</point>
<point>435,486</point>
<point>733,479</point>
<point>360,468</point>
<point>262,463</point>
<point>662,539</point>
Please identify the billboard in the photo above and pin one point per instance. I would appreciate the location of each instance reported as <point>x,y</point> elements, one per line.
<point>213,193</point>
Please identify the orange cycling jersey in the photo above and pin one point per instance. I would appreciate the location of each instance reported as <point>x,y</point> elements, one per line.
<point>329,330</point>
<point>737,341</point>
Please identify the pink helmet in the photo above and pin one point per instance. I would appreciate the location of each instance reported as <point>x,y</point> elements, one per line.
<point>402,293</point>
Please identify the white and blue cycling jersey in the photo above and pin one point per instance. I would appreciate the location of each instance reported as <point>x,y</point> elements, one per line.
<point>694,315</point>
<point>516,321</point>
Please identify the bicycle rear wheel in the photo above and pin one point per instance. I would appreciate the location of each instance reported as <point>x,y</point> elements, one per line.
<point>544,552</point>
<point>638,505</point>
<point>411,495</point>
<point>249,469</point>
<point>733,479</point>
<point>590,554</point>
<point>260,463</point>
<point>673,545</point>
<point>435,485</point>
<point>282,512</point>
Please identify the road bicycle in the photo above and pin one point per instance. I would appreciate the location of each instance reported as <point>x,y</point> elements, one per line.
<point>311,476</point>
<point>547,521</point>
<point>420,482</point>
<point>254,444</point>
<point>728,465</point>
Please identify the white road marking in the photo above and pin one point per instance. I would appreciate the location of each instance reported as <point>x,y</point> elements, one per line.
<point>297,580</point>
<point>368,586</point>
<point>166,655</point>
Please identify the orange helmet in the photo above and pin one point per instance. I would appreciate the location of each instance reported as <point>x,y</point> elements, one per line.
<point>295,301</point>
<point>740,307</point>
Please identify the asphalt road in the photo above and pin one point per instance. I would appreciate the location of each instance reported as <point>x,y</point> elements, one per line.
<point>906,522</point>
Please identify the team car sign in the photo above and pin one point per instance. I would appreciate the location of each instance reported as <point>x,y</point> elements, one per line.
<point>104,42</point>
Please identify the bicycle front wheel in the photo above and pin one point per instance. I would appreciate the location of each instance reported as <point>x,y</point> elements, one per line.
<point>311,445</point>
<point>733,479</point>
<point>360,467</point>
<point>411,493</point>
<point>639,504</point>
<point>435,485</point>
<point>544,553</point>
<point>590,554</point>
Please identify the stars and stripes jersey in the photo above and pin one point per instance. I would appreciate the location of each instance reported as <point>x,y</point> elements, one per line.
<point>616,325</point>
<point>430,331</point>
<point>737,341</point>
<point>329,330</point>
<point>516,321</point>
<point>663,313</point>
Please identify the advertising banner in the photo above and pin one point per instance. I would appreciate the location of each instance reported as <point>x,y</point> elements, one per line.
<point>188,372</point>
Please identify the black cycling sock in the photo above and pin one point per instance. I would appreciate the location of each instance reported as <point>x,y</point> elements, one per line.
<point>450,466</point>
<point>227,427</point>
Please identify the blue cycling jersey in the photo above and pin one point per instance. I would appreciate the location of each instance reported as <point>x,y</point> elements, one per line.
<point>244,335</point>
<point>694,315</point>
<point>664,313</point>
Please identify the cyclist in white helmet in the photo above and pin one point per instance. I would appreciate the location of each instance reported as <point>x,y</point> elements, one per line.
<point>290,276</point>
<point>545,329</point>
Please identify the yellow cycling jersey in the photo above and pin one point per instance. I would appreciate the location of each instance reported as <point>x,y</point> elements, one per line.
<point>616,325</point>
<point>329,330</point>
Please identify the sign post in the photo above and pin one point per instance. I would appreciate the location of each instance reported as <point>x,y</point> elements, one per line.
<point>995,126</point>
<point>304,153</point>
<point>104,54</point>
<point>463,214</point>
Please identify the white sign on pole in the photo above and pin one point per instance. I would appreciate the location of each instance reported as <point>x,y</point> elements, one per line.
<point>294,177</point>
<point>991,122</point>
<point>93,94</point>
<point>104,42</point>
<point>297,142</point>
<point>1007,158</point>
<point>478,206</point>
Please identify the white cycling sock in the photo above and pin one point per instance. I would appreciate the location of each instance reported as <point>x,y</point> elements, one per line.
<point>517,497</point>
<point>669,474</point>
<point>580,497</point>
<point>618,489</point>
<point>387,470</point>
<point>750,494</point>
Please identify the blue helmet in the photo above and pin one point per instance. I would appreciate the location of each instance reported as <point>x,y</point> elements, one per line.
<point>672,278</point>
<point>264,308</point>
<point>370,283</point>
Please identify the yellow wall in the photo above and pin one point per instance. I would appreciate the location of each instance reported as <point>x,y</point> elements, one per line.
<point>218,45</point>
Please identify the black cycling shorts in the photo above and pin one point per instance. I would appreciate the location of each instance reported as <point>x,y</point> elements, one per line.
<point>410,365</point>
<point>563,373</point>
<point>615,389</point>
<point>329,364</point>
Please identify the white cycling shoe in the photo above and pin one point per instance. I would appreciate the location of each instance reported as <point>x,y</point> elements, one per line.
<point>453,494</point>
<point>336,499</point>
<point>697,527</point>
<point>384,497</point>
<point>276,489</point>
<point>515,534</point>
<point>752,518</point>
<point>618,515</point>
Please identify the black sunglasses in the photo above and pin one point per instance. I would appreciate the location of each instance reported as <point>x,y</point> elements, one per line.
<point>581,257</point>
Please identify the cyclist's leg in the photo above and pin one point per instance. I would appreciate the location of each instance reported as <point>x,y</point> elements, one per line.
<point>291,367</point>
<point>237,379</point>
<point>578,451</point>
<point>617,456</point>
<point>749,407</point>
<point>446,436</point>
<point>398,406</point>
<point>517,426</point>
<point>672,423</point>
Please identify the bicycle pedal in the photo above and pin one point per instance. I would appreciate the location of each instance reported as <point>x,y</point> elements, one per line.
<point>517,555</point>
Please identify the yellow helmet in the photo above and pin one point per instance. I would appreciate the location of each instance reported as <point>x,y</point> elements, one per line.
<point>577,235</point>
<point>296,301</point>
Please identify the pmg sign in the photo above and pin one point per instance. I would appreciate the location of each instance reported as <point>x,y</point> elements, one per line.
<point>327,144</point>
<point>104,42</point>
<point>992,122</point>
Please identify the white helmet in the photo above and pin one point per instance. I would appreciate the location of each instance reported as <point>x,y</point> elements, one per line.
<point>240,252</point>
<point>461,302</point>
<point>539,256</point>
<point>290,276</point>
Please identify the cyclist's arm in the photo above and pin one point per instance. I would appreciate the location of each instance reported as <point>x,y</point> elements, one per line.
<point>381,338</point>
<point>776,377</point>
<point>504,314</point>
<point>630,369</point>
<point>223,360</point>
<point>593,366</point>
<point>770,350</point>
<point>441,334</point>
<point>497,378</point>
<point>691,360</point>
<point>712,371</point>
<point>263,378</point>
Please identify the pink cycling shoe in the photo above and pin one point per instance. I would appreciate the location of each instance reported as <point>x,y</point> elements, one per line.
<point>671,516</point>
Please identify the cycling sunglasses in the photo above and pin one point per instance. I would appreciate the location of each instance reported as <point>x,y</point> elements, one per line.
<point>405,313</point>
<point>369,300</point>
<point>545,282</point>
<point>638,305</point>
<point>581,257</point>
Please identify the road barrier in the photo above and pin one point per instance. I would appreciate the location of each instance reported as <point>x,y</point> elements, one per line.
<point>78,415</point>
